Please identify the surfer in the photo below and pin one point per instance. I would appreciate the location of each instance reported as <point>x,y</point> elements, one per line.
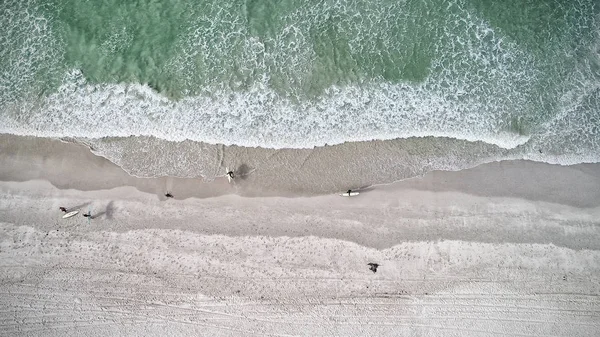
<point>373,266</point>
<point>169,195</point>
<point>349,191</point>
<point>63,209</point>
<point>230,174</point>
<point>87,215</point>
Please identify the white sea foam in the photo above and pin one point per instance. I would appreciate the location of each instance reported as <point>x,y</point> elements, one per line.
<point>259,117</point>
<point>484,105</point>
<point>449,103</point>
<point>29,51</point>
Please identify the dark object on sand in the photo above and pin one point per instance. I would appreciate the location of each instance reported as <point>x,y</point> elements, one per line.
<point>87,215</point>
<point>169,195</point>
<point>373,266</point>
<point>63,209</point>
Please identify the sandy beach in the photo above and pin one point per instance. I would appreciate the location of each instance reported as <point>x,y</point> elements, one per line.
<point>507,248</point>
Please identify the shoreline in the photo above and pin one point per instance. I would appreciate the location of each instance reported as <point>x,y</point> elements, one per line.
<point>68,165</point>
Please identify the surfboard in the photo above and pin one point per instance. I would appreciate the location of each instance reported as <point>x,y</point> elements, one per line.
<point>227,174</point>
<point>70,214</point>
<point>351,194</point>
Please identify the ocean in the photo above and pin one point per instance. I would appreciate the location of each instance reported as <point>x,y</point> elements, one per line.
<point>518,79</point>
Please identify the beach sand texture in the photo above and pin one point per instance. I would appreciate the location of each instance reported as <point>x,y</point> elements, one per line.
<point>508,248</point>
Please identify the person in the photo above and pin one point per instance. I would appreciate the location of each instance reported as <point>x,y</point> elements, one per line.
<point>349,191</point>
<point>373,266</point>
<point>230,174</point>
<point>169,195</point>
<point>63,209</point>
<point>87,215</point>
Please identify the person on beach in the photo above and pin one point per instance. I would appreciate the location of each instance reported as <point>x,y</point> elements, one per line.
<point>169,195</point>
<point>373,266</point>
<point>230,174</point>
<point>63,209</point>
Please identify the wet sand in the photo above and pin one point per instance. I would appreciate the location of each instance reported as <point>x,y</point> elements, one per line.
<point>69,165</point>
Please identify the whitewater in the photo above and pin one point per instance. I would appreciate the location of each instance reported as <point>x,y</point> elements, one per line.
<point>303,75</point>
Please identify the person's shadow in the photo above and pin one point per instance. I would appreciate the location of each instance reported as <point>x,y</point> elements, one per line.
<point>243,171</point>
<point>108,211</point>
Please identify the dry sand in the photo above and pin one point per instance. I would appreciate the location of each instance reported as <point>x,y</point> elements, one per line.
<point>509,248</point>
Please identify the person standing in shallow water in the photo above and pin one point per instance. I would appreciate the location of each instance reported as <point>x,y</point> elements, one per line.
<point>63,209</point>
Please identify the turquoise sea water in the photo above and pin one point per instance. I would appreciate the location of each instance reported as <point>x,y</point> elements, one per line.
<point>304,73</point>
